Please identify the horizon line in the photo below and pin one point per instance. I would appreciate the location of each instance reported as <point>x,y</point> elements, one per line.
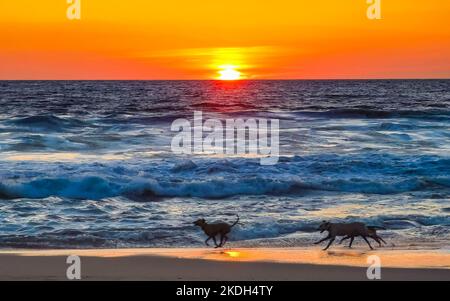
<point>242,80</point>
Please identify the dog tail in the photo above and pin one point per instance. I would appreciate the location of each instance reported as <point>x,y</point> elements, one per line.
<point>375,228</point>
<point>235,223</point>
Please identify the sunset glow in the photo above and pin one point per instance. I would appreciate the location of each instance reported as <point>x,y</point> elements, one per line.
<point>287,39</point>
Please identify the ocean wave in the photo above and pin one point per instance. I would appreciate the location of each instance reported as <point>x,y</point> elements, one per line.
<point>47,122</point>
<point>97,188</point>
<point>436,115</point>
<point>36,142</point>
<point>371,173</point>
<point>143,189</point>
<point>83,188</point>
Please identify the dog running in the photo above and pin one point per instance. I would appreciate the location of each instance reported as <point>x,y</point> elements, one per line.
<point>372,234</point>
<point>348,230</point>
<point>212,230</point>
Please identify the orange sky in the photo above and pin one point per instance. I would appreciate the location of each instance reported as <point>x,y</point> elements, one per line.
<point>263,39</point>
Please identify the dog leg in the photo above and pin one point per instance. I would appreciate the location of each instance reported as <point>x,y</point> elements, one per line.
<point>382,240</point>
<point>206,241</point>
<point>322,240</point>
<point>329,244</point>
<point>345,238</point>
<point>225,239</point>
<point>367,242</point>
<point>215,242</point>
<point>351,241</point>
<point>377,240</point>
<point>221,240</point>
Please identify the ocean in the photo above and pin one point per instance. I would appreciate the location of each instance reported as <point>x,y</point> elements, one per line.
<point>88,164</point>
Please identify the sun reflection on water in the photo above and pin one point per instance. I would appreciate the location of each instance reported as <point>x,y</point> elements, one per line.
<point>233,254</point>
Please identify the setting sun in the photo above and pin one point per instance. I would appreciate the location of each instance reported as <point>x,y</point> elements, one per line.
<point>228,72</point>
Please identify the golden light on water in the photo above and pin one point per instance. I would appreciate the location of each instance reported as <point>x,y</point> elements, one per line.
<point>229,72</point>
<point>233,254</point>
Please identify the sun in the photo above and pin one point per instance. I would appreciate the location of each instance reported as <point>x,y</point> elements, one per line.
<point>229,72</point>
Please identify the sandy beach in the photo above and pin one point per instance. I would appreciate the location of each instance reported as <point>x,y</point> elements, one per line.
<point>269,264</point>
<point>305,140</point>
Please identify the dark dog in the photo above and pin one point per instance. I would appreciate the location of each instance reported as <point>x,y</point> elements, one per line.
<point>372,234</point>
<point>212,230</point>
<point>351,230</point>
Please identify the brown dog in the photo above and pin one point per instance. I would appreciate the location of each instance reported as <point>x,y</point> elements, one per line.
<point>212,230</point>
<point>372,234</point>
<point>351,230</point>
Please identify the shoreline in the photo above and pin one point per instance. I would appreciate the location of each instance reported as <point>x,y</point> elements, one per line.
<point>184,264</point>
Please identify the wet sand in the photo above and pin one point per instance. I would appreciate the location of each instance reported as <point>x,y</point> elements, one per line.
<point>227,264</point>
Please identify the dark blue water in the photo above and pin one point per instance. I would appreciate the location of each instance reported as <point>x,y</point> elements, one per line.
<point>89,164</point>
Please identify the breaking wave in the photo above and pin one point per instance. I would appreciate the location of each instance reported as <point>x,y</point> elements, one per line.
<point>207,178</point>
